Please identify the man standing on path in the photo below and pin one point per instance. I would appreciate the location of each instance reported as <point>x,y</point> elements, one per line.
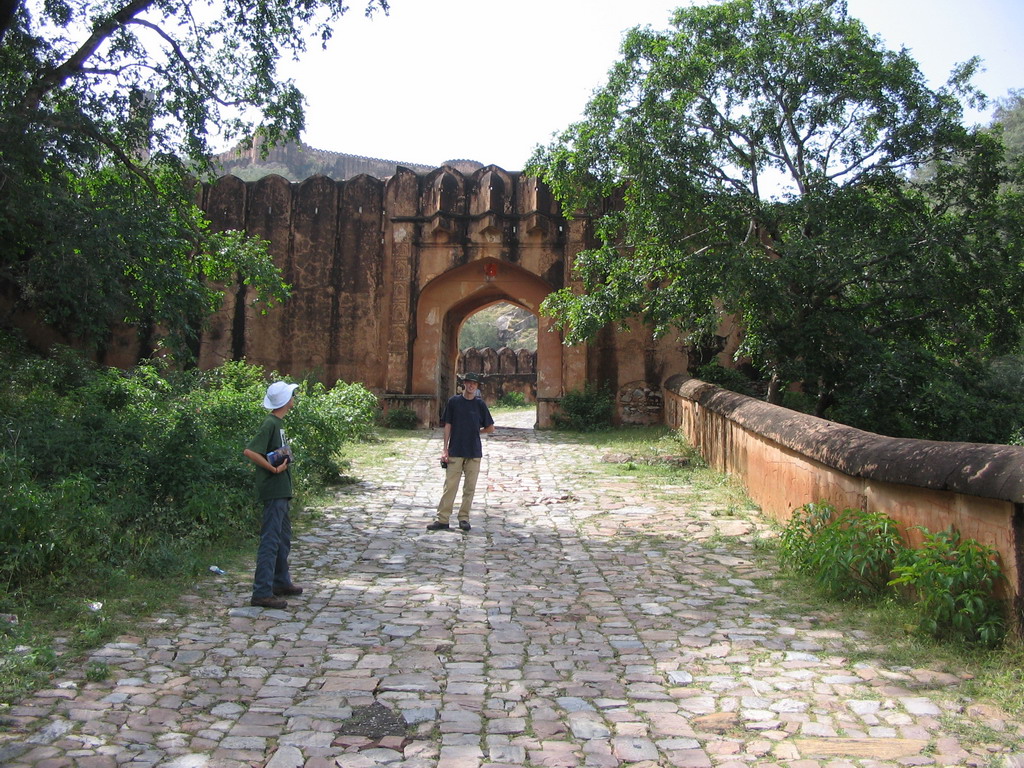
<point>270,452</point>
<point>465,417</point>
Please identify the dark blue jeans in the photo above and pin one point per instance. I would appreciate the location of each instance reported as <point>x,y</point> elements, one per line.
<point>275,544</point>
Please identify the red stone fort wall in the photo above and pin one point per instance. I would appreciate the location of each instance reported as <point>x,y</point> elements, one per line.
<point>384,272</point>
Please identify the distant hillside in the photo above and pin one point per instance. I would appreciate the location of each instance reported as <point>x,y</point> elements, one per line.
<point>297,161</point>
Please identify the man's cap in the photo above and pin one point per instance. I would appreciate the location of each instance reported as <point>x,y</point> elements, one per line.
<point>473,377</point>
<point>278,395</point>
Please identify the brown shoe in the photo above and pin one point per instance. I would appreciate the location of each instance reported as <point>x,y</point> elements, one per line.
<point>290,589</point>
<point>269,602</point>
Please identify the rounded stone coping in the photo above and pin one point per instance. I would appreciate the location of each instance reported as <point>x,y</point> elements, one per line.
<point>976,469</point>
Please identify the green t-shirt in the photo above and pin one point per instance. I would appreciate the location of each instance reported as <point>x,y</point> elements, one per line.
<point>269,438</point>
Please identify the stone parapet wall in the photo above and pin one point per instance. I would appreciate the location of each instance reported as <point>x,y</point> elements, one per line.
<point>504,371</point>
<point>787,459</point>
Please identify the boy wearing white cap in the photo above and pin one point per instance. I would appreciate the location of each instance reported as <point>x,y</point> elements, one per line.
<point>270,452</point>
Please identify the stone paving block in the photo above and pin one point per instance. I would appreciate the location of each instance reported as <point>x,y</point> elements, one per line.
<point>880,749</point>
<point>585,622</point>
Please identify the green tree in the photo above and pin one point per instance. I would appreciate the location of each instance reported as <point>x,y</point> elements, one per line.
<point>107,111</point>
<point>1009,115</point>
<point>500,325</point>
<point>757,160</point>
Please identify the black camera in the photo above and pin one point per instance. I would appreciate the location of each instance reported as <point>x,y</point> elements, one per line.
<point>444,464</point>
<point>280,456</point>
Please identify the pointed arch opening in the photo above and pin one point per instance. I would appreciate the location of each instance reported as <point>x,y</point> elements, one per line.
<point>447,301</point>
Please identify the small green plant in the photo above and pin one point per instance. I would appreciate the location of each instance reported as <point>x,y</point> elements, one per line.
<point>586,410</point>
<point>796,542</point>
<point>322,422</point>
<point>512,400</point>
<point>400,418</point>
<point>96,671</point>
<point>953,581</point>
<point>849,554</point>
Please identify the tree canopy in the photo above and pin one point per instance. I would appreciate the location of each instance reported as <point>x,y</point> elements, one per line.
<point>1009,117</point>
<point>758,160</point>
<point>108,111</point>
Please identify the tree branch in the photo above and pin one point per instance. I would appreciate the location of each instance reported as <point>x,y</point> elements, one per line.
<point>58,75</point>
<point>210,92</point>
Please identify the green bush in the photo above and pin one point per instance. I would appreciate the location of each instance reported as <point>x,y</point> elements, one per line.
<point>512,400</point>
<point>849,554</point>
<point>797,541</point>
<point>586,410</point>
<point>109,469</point>
<point>401,418</point>
<point>321,422</point>
<point>855,554</point>
<point>726,378</point>
<point>953,581</point>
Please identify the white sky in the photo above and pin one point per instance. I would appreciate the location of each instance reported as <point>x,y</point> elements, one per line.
<point>486,80</point>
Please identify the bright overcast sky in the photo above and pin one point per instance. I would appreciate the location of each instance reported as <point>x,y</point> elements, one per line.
<point>441,80</point>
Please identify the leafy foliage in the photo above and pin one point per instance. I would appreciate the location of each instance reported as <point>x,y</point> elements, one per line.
<point>1009,118</point>
<point>107,111</point>
<point>500,325</point>
<point>727,378</point>
<point>327,420</point>
<point>849,554</point>
<point>128,470</point>
<point>401,418</point>
<point>856,554</point>
<point>757,160</point>
<point>512,400</point>
<point>953,580</point>
<point>586,410</point>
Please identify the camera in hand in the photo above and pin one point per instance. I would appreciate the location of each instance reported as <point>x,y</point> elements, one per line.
<point>280,456</point>
<point>444,464</point>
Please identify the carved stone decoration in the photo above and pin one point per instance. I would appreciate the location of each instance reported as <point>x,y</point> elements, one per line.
<point>640,403</point>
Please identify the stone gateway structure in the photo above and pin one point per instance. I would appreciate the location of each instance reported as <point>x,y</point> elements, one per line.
<point>384,273</point>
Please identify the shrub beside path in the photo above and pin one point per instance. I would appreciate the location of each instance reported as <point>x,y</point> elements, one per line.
<point>580,623</point>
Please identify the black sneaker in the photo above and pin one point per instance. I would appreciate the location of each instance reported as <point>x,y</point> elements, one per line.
<point>464,525</point>
<point>436,526</point>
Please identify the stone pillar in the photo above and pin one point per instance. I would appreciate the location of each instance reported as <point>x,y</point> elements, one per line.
<point>268,337</point>
<point>314,235</point>
<point>224,203</point>
<point>400,210</point>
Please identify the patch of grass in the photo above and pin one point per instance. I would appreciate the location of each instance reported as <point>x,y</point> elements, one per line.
<point>994,676</point>
<point>97,671</point>
<point>383,445</point>
<point>58,626</point>
<point>968,729</point>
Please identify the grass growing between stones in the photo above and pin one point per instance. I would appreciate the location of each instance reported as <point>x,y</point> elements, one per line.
<point>56,630</point>
<point>381,446</point>
<point>660,457</point>
<point>883,630</point>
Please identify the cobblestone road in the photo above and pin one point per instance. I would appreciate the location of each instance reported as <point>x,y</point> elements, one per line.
<point>580,623</point>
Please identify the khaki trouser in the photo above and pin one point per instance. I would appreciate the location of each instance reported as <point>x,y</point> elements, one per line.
<point>457,467</point>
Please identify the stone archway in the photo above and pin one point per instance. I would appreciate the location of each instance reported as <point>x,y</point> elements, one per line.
<point>447,300</point>
<point>383,272</point>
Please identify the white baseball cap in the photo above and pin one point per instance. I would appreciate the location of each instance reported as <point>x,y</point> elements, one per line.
<point>278,395</point>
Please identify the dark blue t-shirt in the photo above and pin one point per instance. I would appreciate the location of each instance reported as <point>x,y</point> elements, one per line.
<point>467,418</point>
